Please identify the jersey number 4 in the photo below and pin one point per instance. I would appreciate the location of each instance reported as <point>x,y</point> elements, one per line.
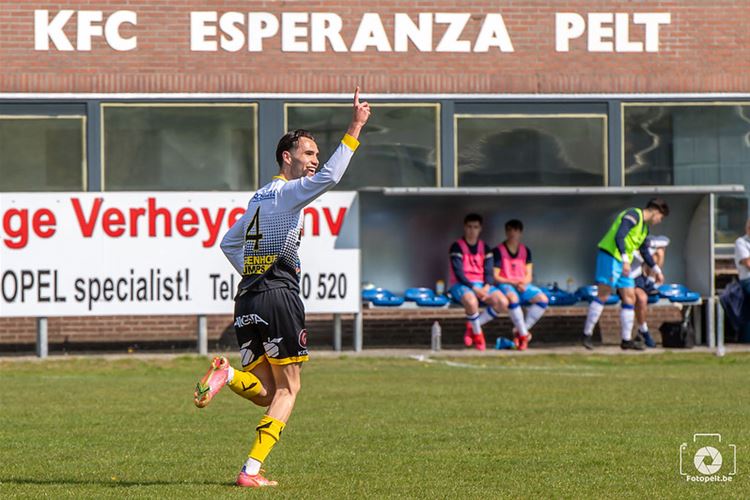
<point>253,231</point>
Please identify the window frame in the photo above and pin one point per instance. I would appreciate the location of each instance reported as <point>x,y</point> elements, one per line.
<point>144,104</point>
<point>435,105</point>
<point>494,116</point>
<point>675,104</point>
<point>672,104</point>
<point>84,151</point>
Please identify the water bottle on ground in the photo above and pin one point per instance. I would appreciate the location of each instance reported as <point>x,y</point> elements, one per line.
<point>435,336</point>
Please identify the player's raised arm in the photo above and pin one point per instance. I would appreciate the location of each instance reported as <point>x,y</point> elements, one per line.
<point>305,189</point>
<point>361,114</point>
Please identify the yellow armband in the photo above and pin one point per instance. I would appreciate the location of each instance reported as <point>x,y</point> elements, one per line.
<point>350,142</point>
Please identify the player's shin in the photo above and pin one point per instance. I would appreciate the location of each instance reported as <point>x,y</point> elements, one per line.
<point>592,318</point>
<point>267,434</point>
<point>473,320</point>
<point>245,384</point>
<point>534,313</point>
<point>516,316</point>
<point>487,315</point>
<point>627,318</point>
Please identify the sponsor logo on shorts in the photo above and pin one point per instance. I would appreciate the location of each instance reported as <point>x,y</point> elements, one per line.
<point>246,355</point>
<point>272,347</point>
<point>248,319</point>
<point>302,338</point>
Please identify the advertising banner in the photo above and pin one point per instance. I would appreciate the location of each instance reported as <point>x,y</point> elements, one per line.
<point>73,254</point>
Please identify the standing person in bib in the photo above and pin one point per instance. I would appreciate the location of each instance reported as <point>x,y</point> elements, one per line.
<point>626,236</point>
<point>513,274</point>
<point>269,315</point>
<point>470,281</point>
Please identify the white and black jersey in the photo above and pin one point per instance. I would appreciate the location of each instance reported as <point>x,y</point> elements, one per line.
<point>262,245</point>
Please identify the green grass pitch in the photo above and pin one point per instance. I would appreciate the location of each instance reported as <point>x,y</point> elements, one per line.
<point>540,426</point>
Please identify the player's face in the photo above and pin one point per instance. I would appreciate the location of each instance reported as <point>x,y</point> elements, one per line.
<point>304,158</point>
<point>472,230</point>
<point>656,218</point>
<point>513,234</point>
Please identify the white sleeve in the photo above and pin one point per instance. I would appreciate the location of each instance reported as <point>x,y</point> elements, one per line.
<point>741,250</point>
<point>233,244</point>
<point>298,193</point>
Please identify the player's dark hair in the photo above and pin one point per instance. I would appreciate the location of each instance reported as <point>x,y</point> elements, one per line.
<point>289,142</point>
<point>514,224</point>
<point>658,204</point>
<point>473,217</point>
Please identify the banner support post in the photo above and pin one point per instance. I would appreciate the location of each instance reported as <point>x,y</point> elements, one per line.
<point>42,344</point>
<point>337,332</point>
<point>202,335</point>
<point>358,327</point>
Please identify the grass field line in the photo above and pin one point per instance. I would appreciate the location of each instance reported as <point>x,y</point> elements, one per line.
<point>575,370</point>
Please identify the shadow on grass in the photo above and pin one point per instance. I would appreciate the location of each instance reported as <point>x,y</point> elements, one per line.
<point>111,483</point>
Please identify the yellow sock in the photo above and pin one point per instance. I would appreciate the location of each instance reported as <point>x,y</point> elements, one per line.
<point>268,433</point>
<point>245,384</point>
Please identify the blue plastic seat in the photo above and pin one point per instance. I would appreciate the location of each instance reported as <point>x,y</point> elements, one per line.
<point>413,294</point>
<point>382,297</point>
<point>588,293</point>
<point>653,298</point>
<point>678,293</point>
<point>388,300</point>
<point>560,297</point>
<point>372,293</point>
<point>434,301</point>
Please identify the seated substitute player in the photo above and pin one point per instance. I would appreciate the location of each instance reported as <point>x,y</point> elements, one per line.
<point>470,278</point>
<point>513,275</point>
<point>626,235</point>
<point>646,283</point>
<point>269,315</point>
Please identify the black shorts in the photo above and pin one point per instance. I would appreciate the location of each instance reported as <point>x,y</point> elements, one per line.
<point>270,325</point>
<point>647,286</point>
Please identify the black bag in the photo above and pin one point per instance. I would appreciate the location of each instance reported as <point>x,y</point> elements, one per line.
<point>677,334</point>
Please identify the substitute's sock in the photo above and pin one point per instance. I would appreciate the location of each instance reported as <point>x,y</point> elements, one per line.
<point>245,384</point>
<point>476,326</point>
<point>487,315</point>
<point>267,435</point>
<point>592,318</point>
<point>627,318</point>
<point>534,313</point>
<point>643,327</point>
<point>516,316</point>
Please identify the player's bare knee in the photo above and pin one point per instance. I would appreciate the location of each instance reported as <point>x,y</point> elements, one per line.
<point>501,302</point>
<point>628,297</point>
<point>470,302</point>
<point>603,292</point>
<point>288,393</point>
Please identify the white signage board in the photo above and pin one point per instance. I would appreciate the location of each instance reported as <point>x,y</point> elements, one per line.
<point>78,254</point>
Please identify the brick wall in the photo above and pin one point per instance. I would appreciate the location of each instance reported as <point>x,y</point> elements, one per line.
<point>382,328</point>
<point>706,48</point>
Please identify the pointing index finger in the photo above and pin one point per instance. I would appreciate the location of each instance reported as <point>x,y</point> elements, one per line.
<point>356,96</point>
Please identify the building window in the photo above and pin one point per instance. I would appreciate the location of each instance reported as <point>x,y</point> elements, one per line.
<point>179,147</point>
<point>691,144</point>
<point>531,150</point>
<point>42,153</point>
<point>400,144</point>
